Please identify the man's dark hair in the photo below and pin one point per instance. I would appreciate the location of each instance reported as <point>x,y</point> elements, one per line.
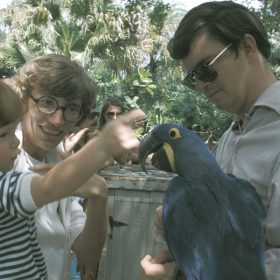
<point>225,21</point>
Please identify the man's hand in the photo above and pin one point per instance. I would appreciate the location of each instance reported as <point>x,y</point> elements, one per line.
<point>161,267</point>
<point>159,222</point>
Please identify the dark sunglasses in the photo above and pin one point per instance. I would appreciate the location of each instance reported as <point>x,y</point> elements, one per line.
<point>205,73</point>
<point>113,114</point>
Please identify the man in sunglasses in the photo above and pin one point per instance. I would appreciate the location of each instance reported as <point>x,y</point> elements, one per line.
<point>224,49</point>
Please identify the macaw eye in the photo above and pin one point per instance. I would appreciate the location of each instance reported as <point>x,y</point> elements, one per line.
<point>174,133</point>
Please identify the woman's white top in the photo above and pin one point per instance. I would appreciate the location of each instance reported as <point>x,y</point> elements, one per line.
<point>58,223</point>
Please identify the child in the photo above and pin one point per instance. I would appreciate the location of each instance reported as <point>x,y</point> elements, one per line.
<point>22,193</point>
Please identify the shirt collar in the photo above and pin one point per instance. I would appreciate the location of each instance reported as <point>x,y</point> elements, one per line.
<point>269,98</point>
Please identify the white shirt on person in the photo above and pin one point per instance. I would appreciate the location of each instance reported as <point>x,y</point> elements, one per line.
<point>251,150</point>
<point>58,223</point>
<point>20,253</point>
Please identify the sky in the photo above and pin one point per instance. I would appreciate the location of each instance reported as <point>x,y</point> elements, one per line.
<point>4,3</point>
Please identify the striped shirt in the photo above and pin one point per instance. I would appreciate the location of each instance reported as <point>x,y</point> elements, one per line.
<point>20,254</point>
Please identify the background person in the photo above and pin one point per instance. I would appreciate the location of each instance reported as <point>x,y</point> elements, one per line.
<point>224,49</point>
<point>111,109</point>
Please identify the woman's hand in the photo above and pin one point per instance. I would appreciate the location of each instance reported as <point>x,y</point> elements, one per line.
<point>119,139</point>
<point>96,186</point>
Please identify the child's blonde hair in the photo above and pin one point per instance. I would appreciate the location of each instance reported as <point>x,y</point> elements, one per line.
<point>11,109</point>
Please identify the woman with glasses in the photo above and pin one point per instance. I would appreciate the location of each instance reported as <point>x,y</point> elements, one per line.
<point>224,49</point>
<point>57,96</point>
<point>111,109</point>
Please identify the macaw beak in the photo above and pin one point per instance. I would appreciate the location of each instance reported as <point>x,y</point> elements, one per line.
<point>151,145</point>
<point>148,145</point>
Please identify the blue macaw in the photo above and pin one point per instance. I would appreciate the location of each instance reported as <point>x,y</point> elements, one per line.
<point>213,221</point>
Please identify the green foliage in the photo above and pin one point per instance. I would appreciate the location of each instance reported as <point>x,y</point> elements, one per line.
<point>12,57</point>
<point>32,3</point>
<point>41,16</point>
<point>79,8</point>
<point>54,9</point>
<point>275,54</point>
<point>158,16</point>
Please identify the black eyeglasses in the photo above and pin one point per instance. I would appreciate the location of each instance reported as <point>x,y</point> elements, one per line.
<point>205,73</point>
<point>113,114</point>
<point>48,105</point>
